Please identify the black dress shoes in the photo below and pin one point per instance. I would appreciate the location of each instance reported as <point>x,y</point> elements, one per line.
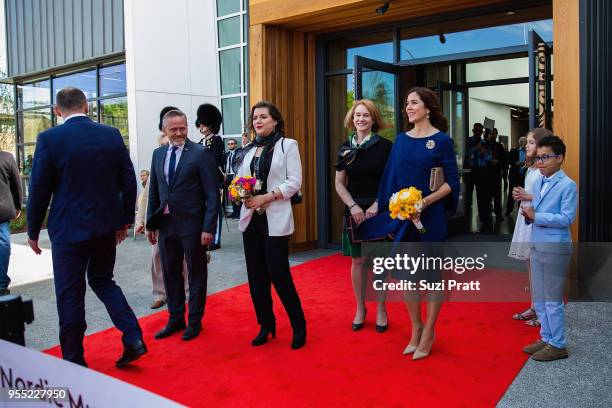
<point>131,352</point>
<point>262,337</point>
<point>192,331</point>
<point>171,327</point>
<point>299,338</point>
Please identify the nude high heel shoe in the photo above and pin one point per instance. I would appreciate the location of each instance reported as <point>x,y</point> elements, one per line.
<point>410,348</point>
<point>419,355</point>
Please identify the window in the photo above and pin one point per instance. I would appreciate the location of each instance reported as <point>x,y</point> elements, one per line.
<point>471,40</point>
<point>232,33</point>
<point>106,92</point>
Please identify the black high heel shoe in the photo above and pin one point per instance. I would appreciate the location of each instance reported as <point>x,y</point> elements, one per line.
<point>359,326</point>
<point>299,338</point>
<point>381,328</point>
<point>262,337</point>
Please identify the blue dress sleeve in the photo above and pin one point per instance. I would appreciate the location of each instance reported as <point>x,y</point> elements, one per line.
<point>448,160</point>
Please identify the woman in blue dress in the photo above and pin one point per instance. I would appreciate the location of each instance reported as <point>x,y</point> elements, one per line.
<point>423,146</point>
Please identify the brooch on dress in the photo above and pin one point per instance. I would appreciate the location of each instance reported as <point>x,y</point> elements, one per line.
<point>430,144</point>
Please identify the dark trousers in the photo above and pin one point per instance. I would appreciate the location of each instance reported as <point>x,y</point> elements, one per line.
<point>495,190</point>
<point>483,195</point>
<point>468,180</point>
<point>267,261</point>
<point>96,259</point>
<point>173,249</point>
<point>235,207</point>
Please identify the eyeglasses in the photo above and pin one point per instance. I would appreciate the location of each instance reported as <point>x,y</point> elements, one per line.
<point>545,158</point>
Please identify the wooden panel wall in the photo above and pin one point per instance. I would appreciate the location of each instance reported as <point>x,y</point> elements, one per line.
<point>282,70</point>
<point>566,121</point>
<point>335,15</point>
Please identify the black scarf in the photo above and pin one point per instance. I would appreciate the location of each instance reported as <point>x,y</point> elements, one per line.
<point>346,154</point>
<point>268,143</point>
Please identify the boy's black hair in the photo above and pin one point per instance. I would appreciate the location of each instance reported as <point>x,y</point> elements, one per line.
<point>554,142</point>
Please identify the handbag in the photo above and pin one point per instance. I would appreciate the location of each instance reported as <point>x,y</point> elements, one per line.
<point>297,198</point>
<point>436,178</point>
<point>353,234</point>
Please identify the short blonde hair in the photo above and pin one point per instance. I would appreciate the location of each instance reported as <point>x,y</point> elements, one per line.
<point>378,122</point>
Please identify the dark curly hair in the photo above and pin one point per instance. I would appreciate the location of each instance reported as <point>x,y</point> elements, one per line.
<point>274,112</point>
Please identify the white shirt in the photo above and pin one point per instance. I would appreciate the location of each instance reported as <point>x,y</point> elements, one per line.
<point>178,153</point>
<point>74,115</point>
<point>228,163</point>
<point>545,185</point>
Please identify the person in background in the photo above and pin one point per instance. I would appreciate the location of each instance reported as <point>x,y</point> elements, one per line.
<point>144,176</point>
<point>266,221</point>
<point>520,247</point>
<point>208,122</point>
<point>230,172</point>
<point>516,175</point>
<point>360,165</point>
<point>470,162</point>
<point>496,165</point>
<point>11,197</point>
<point>552,213</point>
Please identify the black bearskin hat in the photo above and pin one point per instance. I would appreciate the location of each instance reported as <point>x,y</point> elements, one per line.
<point>163,113</point>
<point>209,116</point>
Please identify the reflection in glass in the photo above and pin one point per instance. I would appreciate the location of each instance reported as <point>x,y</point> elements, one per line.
<point>92,112</point>
<point>229,68</point>
<point>114,112</point>
<point>229,31</point>
<point>85,81</point>
<point>377,46</point>
<point>34,94</point>
<point>499,69</point>
<point>225,7</point>
<point>31,123</point>
<point>232,113</point>
<point>340,99</point>
<point>453,108</point>
<point>112,80</point>
<point>379,87</point>
<point>26,155</point>
<point>472,40</point>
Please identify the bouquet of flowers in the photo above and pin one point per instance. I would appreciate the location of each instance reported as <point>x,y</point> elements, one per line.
<point>406,204</point>
<point>242,188</point>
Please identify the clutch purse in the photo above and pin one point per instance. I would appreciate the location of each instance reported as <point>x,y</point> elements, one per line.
<point>436,178</point>
<point>355,238</point>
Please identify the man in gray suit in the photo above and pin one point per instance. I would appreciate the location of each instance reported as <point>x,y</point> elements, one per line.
<point>11,196</point>
<point>182,218</point>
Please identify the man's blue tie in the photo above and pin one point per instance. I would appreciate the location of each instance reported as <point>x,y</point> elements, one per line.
<point>172,165</point>
<point>545,180</point>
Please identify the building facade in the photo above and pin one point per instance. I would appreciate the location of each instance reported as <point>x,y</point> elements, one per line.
<point>131,58</point>
<point>490,61</point>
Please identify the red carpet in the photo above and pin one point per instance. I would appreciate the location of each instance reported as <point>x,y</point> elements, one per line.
<point>476,356</point>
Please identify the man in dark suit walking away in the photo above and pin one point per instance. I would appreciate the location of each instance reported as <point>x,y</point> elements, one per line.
<point>11,195</point>
<point>182,218</point>
<point>87,220</point>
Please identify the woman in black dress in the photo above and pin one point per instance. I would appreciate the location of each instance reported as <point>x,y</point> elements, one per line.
<point>360,166</point>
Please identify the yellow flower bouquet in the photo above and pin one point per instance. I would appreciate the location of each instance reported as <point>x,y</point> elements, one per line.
<point>407,204</point>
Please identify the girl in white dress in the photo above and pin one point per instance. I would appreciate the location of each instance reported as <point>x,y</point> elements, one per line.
<point>521,239</point>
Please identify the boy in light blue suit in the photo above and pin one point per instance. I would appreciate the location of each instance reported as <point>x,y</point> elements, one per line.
<point>552,214</point>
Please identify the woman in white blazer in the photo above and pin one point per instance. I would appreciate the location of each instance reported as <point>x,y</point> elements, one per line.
<point>275,160</point>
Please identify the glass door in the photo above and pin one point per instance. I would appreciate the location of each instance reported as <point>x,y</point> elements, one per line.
<point>540,78</point>
<point>454,99</point>
<point>379,82</point>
